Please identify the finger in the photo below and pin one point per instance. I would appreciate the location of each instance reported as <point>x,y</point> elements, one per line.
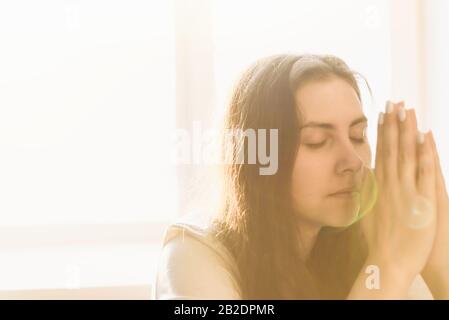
<point>426,167</point>
<point>407,148</point>
<point>440,183</point>
<point>378,165</point>
<point>390,144</point>
<point>412,115</point>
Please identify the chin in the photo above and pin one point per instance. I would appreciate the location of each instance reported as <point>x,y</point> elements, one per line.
<point>342,217</point>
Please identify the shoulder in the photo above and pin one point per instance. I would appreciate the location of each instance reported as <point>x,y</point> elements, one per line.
<point>194,265</point>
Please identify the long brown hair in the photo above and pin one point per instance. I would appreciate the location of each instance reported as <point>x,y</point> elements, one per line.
<point>257,221</point>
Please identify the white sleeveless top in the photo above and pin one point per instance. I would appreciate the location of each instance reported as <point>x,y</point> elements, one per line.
<point>195,265</point>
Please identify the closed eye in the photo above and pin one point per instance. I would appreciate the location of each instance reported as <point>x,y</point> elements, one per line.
<point>362,139</point>
<point>315,145</point>
<point>321,144</point>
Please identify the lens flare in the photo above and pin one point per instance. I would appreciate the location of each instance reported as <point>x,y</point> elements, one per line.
<point>368,194</point>
<point>364,200</point>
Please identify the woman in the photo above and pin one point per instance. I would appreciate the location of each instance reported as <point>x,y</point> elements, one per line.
<point>317,227</point>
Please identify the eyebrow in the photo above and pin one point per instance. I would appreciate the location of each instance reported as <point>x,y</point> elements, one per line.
<point>330,125</point>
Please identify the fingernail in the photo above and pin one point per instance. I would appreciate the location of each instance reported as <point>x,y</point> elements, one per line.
<point>389,107</point>
<point>420,137</point>
<point>381,118</point>
<point>402,114</point>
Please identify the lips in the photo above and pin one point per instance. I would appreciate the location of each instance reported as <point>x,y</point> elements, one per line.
<point>345,192</point>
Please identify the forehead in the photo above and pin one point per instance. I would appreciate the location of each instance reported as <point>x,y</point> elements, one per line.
<point>332,100</point>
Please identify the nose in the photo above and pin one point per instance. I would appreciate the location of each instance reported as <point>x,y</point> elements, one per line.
<point>349,160</point>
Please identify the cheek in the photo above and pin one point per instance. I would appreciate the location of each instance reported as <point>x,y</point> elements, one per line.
<point>309,176</point>
<point>365,155</point>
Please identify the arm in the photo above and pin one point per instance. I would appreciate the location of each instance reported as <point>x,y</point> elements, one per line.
<point>188,269</point>
<point>393,283</point>
<point>436,271</point>
<point>438,284</point>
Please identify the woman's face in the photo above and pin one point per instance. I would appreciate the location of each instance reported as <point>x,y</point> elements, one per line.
<point>332,155</point>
